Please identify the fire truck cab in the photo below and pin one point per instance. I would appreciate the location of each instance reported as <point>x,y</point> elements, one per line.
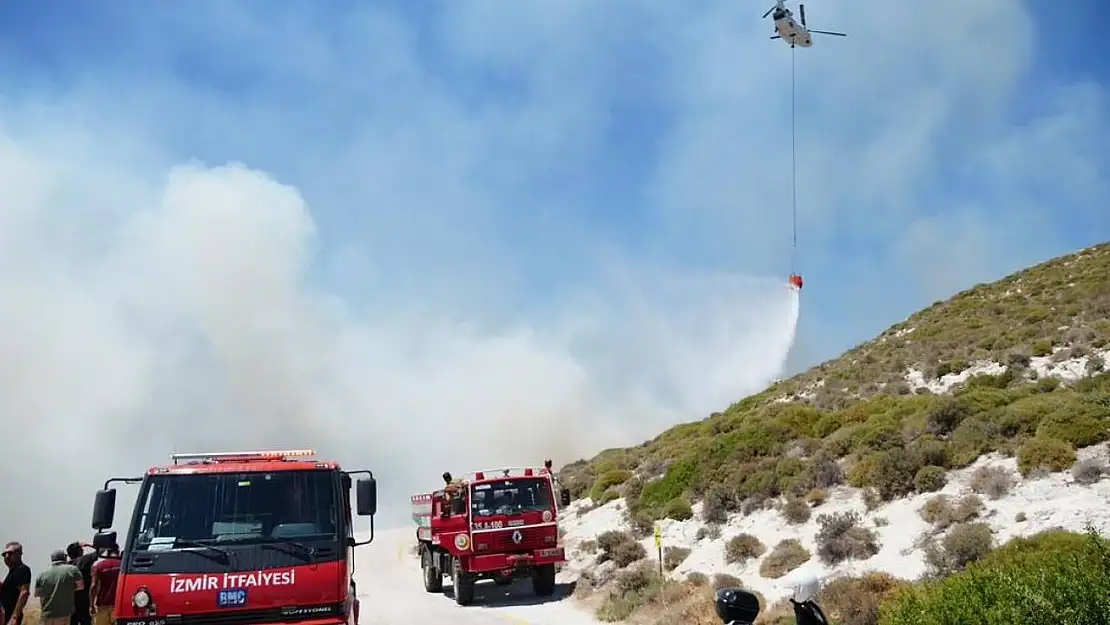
<point>238,537</point>
<point>499,524</point>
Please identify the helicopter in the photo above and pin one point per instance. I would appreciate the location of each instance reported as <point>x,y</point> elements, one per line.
<point>788,29</point>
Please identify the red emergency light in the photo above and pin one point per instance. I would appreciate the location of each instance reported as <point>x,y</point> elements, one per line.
<point>242,456</point>
<point>528,472</point>
<point>478,475</point>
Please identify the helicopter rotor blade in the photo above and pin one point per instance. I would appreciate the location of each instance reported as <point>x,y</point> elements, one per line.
<point>767,13</point>
<point>802,10</point>
<point>827,32</point>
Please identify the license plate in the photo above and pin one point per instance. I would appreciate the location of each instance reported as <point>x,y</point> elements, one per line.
<point>231,598</point>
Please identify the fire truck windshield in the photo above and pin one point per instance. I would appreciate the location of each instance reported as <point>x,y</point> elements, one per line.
<point>510,496</point>
<point>227,509</point>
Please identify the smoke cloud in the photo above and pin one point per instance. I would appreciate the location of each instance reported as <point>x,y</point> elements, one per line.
<point>145,313</point>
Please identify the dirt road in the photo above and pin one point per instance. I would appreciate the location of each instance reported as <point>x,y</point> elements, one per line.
<point>392,593</point>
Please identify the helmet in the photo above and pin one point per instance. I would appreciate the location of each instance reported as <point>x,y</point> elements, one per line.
<point>736,605</point>
<point>806,586</point>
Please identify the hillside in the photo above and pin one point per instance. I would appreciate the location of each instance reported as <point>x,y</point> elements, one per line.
<point>1000,367</point>
<point>977,420</point>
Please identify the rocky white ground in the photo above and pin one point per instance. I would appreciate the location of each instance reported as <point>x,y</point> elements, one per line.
<point>392,593</point>
<point>1055,500</point>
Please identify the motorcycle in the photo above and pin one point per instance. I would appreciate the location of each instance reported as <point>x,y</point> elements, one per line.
<point>736,606</point>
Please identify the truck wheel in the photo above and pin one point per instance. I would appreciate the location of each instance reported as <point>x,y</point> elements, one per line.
<point>463,585</point>
<point>543,580</point>
<point>433,579</point>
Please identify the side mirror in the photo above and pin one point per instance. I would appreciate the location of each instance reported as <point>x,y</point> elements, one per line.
<point>366,493</point>
<point>104,540</point>
<point>104,509</point>
<point>736,606</point>
<point>564,497</point>
<point>458,505</point>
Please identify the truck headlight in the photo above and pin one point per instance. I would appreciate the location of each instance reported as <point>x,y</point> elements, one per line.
<point>141,598</point>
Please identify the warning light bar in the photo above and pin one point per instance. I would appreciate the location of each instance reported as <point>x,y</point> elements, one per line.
<point>242,456</point>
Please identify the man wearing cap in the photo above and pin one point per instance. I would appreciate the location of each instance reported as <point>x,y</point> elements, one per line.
<point>17,585</point>
<point>82,615</point>
<point>56,588</point>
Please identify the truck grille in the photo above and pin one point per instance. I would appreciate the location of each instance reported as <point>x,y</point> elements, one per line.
<point>289,614</point>
<point>531,538</point>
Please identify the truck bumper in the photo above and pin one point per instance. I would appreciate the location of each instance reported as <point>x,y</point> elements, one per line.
<point>506,562</point>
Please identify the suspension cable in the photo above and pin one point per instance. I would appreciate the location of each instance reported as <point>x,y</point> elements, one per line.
<point>793,167</point>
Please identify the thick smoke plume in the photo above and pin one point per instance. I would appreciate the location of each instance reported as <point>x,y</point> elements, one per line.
<point>144,314</point>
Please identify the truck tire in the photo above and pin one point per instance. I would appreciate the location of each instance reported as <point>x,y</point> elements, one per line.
<point>433,578</point>
<point>543,580</point>
<point>462,584</point>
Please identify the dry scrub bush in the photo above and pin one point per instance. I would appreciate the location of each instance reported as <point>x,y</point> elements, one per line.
<point>856,600</point>
<point>785,557</point>
<point>633,588</point>
<point>742,547</point>
<point>674,556</point>
<point>821,472</point>
<point>994,482</point>
<point>1088,471</point>
<point>620,548</point>
<point>697,578</point>
<point>963,544</point>
<point>841,538</point>
<point>724,580</point>
<point>795,511</point>
<point>712,531</point>
<point>716,504</point>
<point>817,497</point>
<point>941,511</point>
<point>871,499</point>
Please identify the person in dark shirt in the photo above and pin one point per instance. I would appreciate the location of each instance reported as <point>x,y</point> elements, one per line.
<point>82,615</point>
<point>17,584</point>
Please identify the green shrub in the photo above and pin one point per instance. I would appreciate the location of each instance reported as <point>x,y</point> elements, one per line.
<point>678,509</point>
<point>606,497</point>
<point>929,478</point>
<point>1045,453</point>
<point>607,480</point>
<point>742,547</point>
<point>1036,588</point>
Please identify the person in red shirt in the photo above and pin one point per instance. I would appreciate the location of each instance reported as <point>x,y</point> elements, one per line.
<point>102,594</point>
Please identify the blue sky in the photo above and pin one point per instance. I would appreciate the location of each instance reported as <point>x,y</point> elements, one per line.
<point>547,193</point>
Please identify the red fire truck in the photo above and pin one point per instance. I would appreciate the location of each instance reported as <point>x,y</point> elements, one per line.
<point>499,524</point>
<point>238,537</point>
